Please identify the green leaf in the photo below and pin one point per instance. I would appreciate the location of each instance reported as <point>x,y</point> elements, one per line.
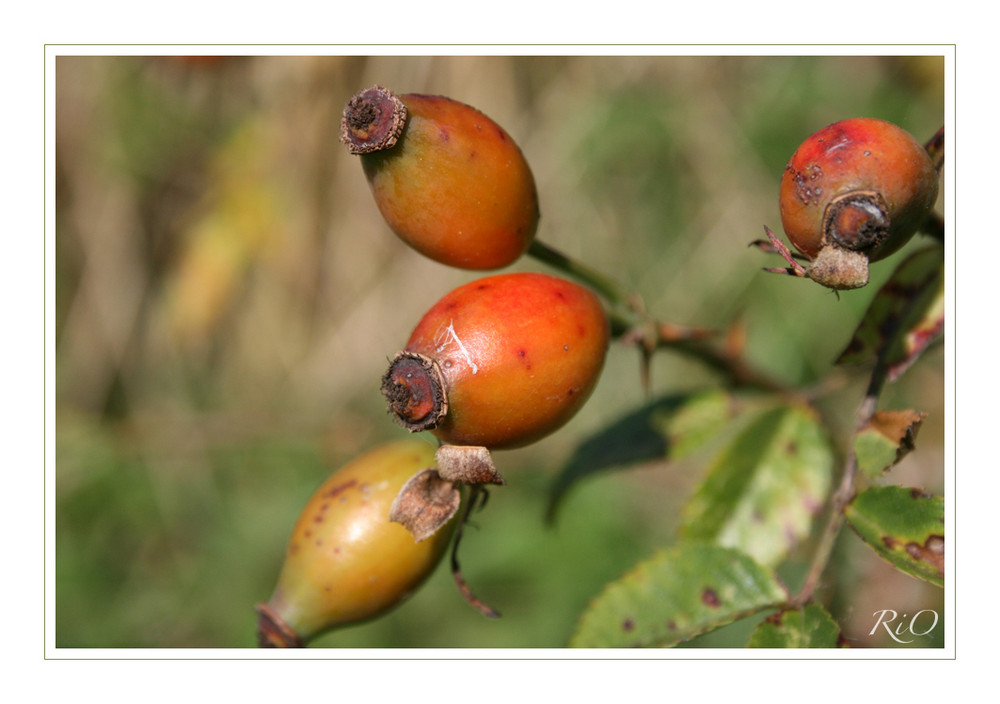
<point>685,590</point>
<point>905,316</point>
<point>810,627</point>
<point>885,440</point>
<point>904,526</point>
<point>761,493</point>
<point>670,427</point>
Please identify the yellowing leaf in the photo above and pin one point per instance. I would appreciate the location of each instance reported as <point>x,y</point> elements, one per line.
<point>761,493</point>
<point>885,440</point>
<point>809,627</point>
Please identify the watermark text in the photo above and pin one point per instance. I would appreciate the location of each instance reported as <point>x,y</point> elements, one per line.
<point>905,628</point>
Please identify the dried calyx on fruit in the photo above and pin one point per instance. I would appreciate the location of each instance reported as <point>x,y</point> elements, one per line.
<point>448,180</point>
<point>853,193</point>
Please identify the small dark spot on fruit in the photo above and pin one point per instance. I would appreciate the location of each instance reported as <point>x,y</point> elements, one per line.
<point>308,533</point>
<point>293,548</point>
<point>671,625</point>
<point>710,598</point>
<point>521,353</point>
<point>803,190</point>
<point>482,287</point>
<point>917,494</point>
<point>319,542</point>
<point>628,625</point>
<point>341,488</point>
<point>791,448</point>
<point>571,392</point>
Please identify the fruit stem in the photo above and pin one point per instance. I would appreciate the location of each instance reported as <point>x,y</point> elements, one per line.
<point>631,325</point>
<point>731,364</point>
<point>485,609</point>
<point>605,286</point>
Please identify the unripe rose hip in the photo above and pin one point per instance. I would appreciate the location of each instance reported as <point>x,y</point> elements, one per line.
<point>345,561</point>
<point>500,362</point>
<point>447,179</point>
<point>853,193</point>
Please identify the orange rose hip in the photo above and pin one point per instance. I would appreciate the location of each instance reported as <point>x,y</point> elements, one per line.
<point>448,180</point>
<point>500,362</point>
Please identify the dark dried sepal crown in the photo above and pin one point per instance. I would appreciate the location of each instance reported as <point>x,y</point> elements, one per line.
<point>857,220</point>
<point>273,632</point>
<point>414,389</point>
<point>373,120</point>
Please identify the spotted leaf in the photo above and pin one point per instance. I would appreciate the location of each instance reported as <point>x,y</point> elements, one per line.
<point>679,593</point>
<point>904,526</point>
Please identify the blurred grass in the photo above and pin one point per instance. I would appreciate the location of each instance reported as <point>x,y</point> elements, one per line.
<point>227,296</point>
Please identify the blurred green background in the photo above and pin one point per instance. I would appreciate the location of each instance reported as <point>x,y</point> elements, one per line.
<point>228,295</point>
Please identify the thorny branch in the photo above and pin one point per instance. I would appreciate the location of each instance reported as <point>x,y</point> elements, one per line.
<point>632,325</point>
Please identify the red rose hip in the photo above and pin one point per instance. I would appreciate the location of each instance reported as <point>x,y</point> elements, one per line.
<point>500,362</point>
<point>852,193</point>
